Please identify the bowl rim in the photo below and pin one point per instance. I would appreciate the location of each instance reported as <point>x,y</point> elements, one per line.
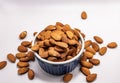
<point>64,62</point>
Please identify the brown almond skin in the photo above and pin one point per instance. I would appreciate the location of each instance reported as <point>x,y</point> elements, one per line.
<point>88,43</point>
<point>94,61</point>
<point>84,15</point>
<point>98,39</point>
<point>11,57</point>
<point>67,77</point>
<point>31,56</point>
<point>89,55</point>
<point>23,70</point>
<point>91,77</point>
<point>85,71</point>
<point>90,49</point>
<point>83,58</point>
<point>95,46</point>
<point>25,59</point>
<point>22,64</point>
<point>86,64</point>
<point>62,44</point>
<point>102,50</point>
<point>22,48</point>
<point>20,55</point>
<point>3,64</point>
<point>31,74</point>
<point>25,43</point>
<point>112,45</point>
<point>23,35</point>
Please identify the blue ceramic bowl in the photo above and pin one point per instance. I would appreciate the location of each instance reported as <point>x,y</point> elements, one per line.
<point>59,68</point>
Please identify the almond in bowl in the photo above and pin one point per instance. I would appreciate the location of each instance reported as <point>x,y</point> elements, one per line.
<point>59,48</point>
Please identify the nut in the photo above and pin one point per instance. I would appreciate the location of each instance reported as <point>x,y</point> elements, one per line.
<point>84,15</point>
<point>90,49</point>
<point>25,43</point>
<point>20,55</point>
<point>86,64</point>
<point>61,44</point>
<point>31,55</point>
<point>11,57</point>
<point>67,77</point>
<point>3,64</point>
<point>94,61</point>
<point>89,55</point>
<point>23,70</point>
<point>102,50</point>
<point>85,71</point>
<point>91,77</point>
<point>112,45</point>
<point>69,34</point>
<point>22,64</point>
<point>95,46</point>
<point>23,35</point>
<point>22,48</point>
<point>98,39</point>
<point>87,43</point>
<point>31,74</point>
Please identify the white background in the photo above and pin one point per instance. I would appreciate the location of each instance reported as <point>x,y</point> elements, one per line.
<point>34,15</point>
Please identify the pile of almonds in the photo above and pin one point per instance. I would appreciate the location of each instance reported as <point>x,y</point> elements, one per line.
<point>56,40</point>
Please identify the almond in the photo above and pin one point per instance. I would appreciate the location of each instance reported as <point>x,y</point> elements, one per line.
<point>94,61</point>
<point>23,70</point>
<point>43,53</point>
<point>11,57</point>
<point>52,58</point>
<point>23,35</point>
<point>25,59</point>
<point>84,15</point>
<point>83,35</point>
<point>95,46</point>
<point>20,55</point>
<point>86,64</point>
<point>69,34</point>
<point>3,64</point>
<point>98,39</point>
<point>31,55</point>
<point>89,55</point>
<point>59,24</point>
<point>112,45</point>
<point>77,33</point>
<point>85,71</point>
<point>90,49</point>
<point>102,50</point>
<point>22,64</point>
<point>69,57</point>
<point>83,58</point>
<point>87,43</point>
<point>91,77</point>
<point>72,42</point>
<point>25,43</point>
<point>22,48</point>
<point>67,77</point>
<point>47,35</point>
<point>35,48</point>
<point>57,34</point>
<point>31,74</point>
<point>50,27</point>
<point>34,33</point>
<point>62,44</point>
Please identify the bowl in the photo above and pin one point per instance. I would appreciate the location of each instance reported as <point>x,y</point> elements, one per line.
<point>59,68</point>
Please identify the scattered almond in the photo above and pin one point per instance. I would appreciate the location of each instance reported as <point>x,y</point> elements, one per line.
<point>20,55</point>
<point>102,50</point>
<point>23,70</point>
<point>90,49</point>
<point>89,55</point>
<point>95,46</point>
<point>67,77</point>
<point>31,55</point>
<point>91,77</point>
<point>3,64</point>
<point>84,15</point>
<point>87,43</point>
<point>22,48</point>
<point>25,59</point>
<point>22,64</point>
<point>112,45</point>
<point>31,74</point>
<point>23,35</point>
<point>98,39</point>
<point>85,71</point>
<point>86,64</point>
<point>94,61</point>
<point>25,43</point>
<point>11,57</point>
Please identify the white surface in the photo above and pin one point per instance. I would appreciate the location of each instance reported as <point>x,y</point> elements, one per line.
<point>34,15</point>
